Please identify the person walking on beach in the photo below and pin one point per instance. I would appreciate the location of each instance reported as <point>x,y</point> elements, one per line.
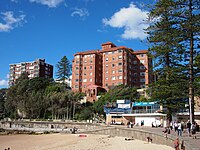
<point>179,129</point>
<point>176,144</point>
<point>188,125</point>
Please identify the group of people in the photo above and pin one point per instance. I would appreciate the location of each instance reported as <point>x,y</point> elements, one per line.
<point>179,128</point>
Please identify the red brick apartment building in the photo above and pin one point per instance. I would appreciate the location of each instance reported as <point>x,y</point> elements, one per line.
<point>37,68</point>
<point>96,70</point>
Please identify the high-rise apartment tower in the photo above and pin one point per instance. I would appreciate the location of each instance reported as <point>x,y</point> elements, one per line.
<point>110,66</point>
<point>37,68</point>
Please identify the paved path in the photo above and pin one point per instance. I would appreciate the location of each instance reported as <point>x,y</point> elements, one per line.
<point>194,144</point>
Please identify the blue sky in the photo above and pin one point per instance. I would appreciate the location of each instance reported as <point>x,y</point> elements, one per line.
<point>51,29</point>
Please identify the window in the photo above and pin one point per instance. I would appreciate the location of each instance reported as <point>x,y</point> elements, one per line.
<point>106,53</point>
<point>77,62</point>
<point>113,58</point>
<point>84,67</point>
<point>119,57</point>
<point>76,68</point>
<point>84,80</point>
<point>113,72</point>
<point>141,55</point>
<point>120,77</point>
<point>113,78</point>
<point>142,67</point>
<point>90,67</point>
<point>142,86</point>
<point>106,66</point>
<point>113,65</point>
<point>113,52</point>
<point>76,86</point>
<point>76,80</point>
<point>90,61</point>
<point>142,61</point>
<point>85,61</point>
<point>135,62</point>
<point>120,64</point>
<point>135,74</point>
<point>90,80</point>
<point>134,68</point>
<point>106,84</point>
<point>142,80</point>
<point>90,73</point>
<point>84,74</point>
<point>135,80</point>
<point>106,59</point>
<point>119,51</point>
<point>124,77</point>
<point>106,78</point>
<point>142,73</point>
<point>120,70</point>
<point>106,71</point>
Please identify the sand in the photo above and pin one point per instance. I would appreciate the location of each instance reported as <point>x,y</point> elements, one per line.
<point>74,142</point>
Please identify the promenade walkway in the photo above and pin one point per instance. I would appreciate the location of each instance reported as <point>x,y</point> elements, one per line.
<point>193,144</point>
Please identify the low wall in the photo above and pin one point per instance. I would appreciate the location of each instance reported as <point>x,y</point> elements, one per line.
<point>48,126</point>
<point>137,134</point>
<point>89,128</point>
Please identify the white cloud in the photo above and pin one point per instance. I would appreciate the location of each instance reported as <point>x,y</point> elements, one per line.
<point>81,12</point>
<point>132,19</point>
<point>3,82</point>
<point>10,22</point>
<point>49,3</point>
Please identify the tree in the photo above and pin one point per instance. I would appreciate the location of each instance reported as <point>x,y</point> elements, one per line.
<point>197,75</point>
<point>175,36</point>
<point>117,92</point>
<point>2,101</point>
<point>63,69</point>
<point>189,16</point>
<point>168,54</point>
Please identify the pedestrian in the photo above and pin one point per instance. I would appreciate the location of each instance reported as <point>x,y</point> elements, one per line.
<point>179,129</point>
<point>171,125</point>
<point>166,131</point>
<point>188,126</point>
<point>175,126</point>
<point>176,144</point>
<point>193,128</point>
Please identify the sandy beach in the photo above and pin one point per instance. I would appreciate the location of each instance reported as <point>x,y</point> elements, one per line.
<point>74,142</point>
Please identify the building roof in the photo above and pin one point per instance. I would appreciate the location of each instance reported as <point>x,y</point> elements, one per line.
<point>114,48</point>
<point>108,43</point>
<point>140,52</point>
<point>87,52</point>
